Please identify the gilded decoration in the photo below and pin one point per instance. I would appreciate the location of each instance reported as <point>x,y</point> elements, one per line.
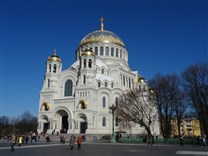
<point>87,53</point>
<point>54,57</point>
<point>83,104</point>
<point>45,106</point>
<point>102,36</point>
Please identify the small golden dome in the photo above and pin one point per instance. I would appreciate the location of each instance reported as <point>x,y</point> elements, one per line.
<point>54,57</point>
<point>87,52</point>
<point>141,80</point>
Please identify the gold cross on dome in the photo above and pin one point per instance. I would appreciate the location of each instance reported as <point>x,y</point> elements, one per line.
<point>54,52</point>
<point>101,24</point>
<point>101,19</point>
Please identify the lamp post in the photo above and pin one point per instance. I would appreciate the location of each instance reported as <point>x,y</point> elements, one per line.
<point>113,108</point>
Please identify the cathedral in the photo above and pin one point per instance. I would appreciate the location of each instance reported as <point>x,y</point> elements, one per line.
<point>77,100</point>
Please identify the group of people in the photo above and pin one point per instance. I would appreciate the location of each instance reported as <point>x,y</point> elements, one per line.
<point>79,141</point>
<point>18,140</point>
<point>22,139</point>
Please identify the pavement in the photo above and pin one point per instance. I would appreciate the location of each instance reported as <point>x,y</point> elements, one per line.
<point>101,149</point>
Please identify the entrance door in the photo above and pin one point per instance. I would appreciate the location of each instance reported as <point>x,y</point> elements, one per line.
<point>83,127</point>
<point>65,124</point>
<point>45,127</point>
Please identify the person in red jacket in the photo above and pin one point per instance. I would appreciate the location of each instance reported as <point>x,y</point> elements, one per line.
<point>79,141</point>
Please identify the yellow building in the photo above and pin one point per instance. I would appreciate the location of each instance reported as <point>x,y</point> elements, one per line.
<point>189,127</point>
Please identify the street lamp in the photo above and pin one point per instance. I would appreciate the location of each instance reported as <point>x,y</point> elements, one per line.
<point>113,108</point>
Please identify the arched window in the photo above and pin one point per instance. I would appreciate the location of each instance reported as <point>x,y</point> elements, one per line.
<point>84,79</point>
<point>96,50</point>
<point>116,103</point>
<point>49,81</point>
<point>121,78</point>
<point>104,102</point>
<point>116,52</point>
<point>124,80</point>
<point>54,68</point>
<point>101,51</point>
<point>107,51</point>
<point>90,63</point>
<point>98,84</point>
<point>112,51</point>
<point>144,89</point>
<point>104,121</point>
<point>112,85</point>
<point>121,54</point>
<point>129,83</point>
<point>49,68</point>
<point>85,63</point>
<point>102,71</point>
<point>68,88</point>
<point>106,84</point>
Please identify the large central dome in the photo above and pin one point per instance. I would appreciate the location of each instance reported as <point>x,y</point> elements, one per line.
<point>104,44</point>
<point>102,36</point>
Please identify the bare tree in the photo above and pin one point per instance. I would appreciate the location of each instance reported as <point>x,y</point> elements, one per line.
<point>25,123</point>
<point>5,126</point>
<point>195,81</point>
<point>138,107</point>
<point>166,88</point>
<point>180,108</point>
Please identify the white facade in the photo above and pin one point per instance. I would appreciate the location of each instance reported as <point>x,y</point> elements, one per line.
<point>77,100</point>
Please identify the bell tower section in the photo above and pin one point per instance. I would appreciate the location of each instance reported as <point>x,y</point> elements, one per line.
<point>53,69</point>
<point>87,68</point>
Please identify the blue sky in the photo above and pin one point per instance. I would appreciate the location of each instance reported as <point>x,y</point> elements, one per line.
<point>162,36</point>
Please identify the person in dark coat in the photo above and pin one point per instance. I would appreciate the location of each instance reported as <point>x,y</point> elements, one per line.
<point>181,141</point>
<point>13,142</point>
<point>72,141</point>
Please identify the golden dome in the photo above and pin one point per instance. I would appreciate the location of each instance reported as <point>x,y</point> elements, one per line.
<point>88,52</point>
<point>141,80</point>
<point>102,36</point>
<point>54,57</point>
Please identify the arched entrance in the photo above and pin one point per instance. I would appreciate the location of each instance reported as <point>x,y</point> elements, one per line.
<point>45,127</point>
<point>62,121</point>
<point>65,124</point>
<point>46,124</point>
<point>83,124</point>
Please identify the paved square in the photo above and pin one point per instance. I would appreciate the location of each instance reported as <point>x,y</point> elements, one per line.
<point>103,149</point>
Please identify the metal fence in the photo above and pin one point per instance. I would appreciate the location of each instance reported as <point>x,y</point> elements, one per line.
<point>161,140</point>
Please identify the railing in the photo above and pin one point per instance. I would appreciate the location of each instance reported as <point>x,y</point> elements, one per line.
<point>160,140</point>
<point>64,101</point>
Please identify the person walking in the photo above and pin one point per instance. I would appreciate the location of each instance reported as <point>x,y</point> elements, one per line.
<point>79,141</point>
<point>72,141</point>
<point>13,141</point>
<point>20,140</point>
<point>181,141</point>
<point>204,141</point>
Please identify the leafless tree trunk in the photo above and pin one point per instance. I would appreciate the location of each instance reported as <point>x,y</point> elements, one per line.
<point>180,109</point>
<point>195,81</point>
<point>166,88</point>
<point>138,107</point>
